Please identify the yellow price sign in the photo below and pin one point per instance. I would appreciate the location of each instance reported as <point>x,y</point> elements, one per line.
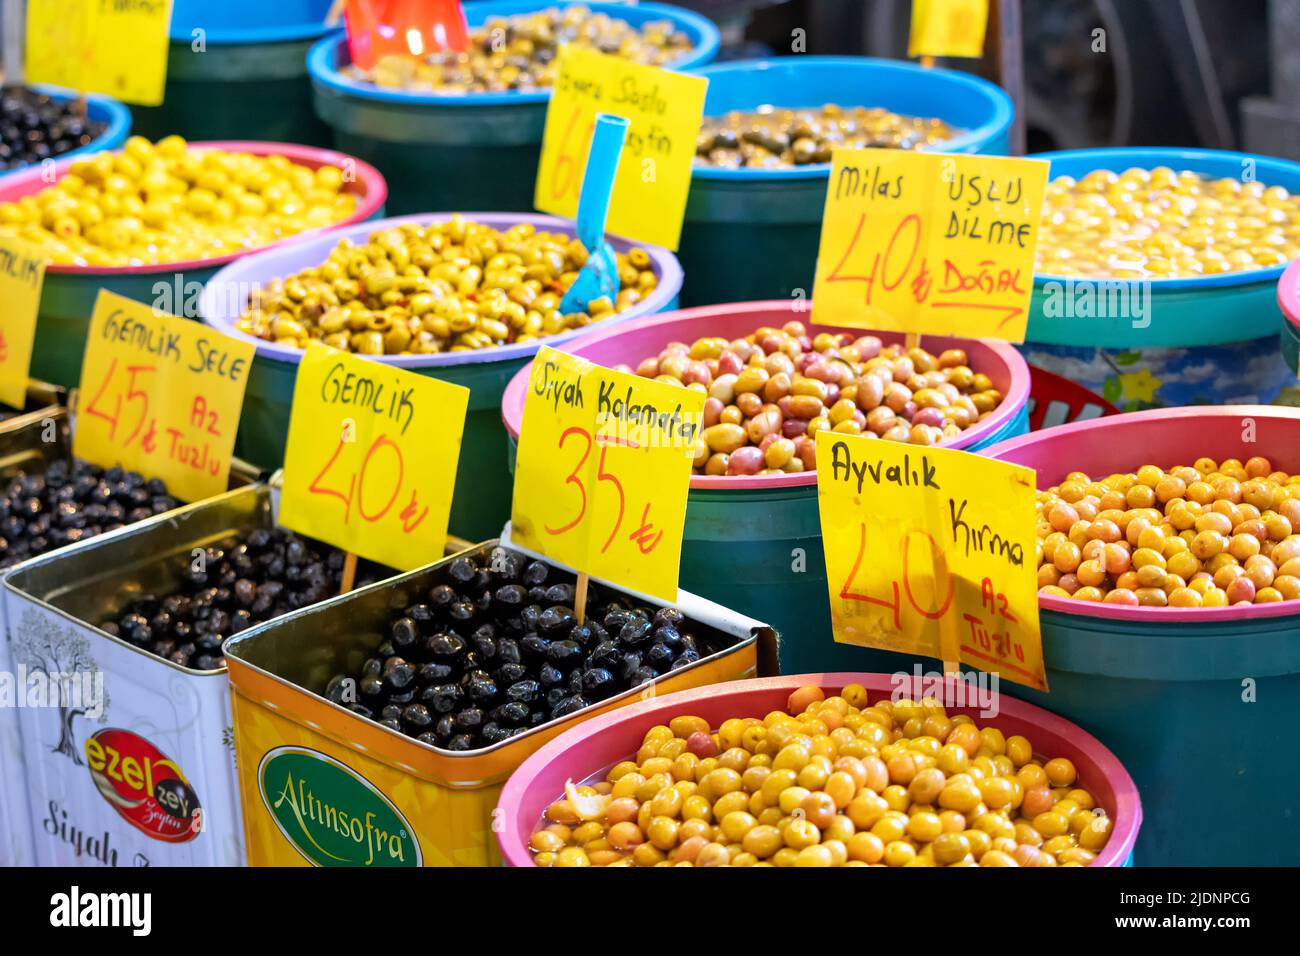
<point>161,396</point>
<point>114,47</point>
<point>931,551</point>
<point>948,28</point>
<point>371,459</point>
<point>664,111</point>
<point>22,273</point>
<point>929,242</point>
<point>603,471</point>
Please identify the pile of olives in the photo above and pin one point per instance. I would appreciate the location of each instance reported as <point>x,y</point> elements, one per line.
<point>70,502</point>
<point>252,577</point>
<point>34,127</point>
<point>498,650</point>
<point>772,138</point>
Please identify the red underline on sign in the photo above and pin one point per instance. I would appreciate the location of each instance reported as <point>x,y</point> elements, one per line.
<point>1011,310</point>
<point>615,440</point>
<point>1001,663</point>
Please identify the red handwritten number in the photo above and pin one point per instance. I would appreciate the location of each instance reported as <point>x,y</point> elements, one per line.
<point>133,395</point>
<point>573,478</point>
<point>383,441</point>
<point>941,571</point>
<point>940,568</point>
<point>564,175</point>
<point>847,594</point>
<point>411,516</point>
<point>603,475</point>
<point>316,488</point>
<point>911,220</point>
<point>92,407</point>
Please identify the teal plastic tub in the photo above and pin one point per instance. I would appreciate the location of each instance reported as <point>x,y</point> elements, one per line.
<point>754,543</point>
<point>68,296</point>
<point>1167,342</point>
<point>1200,704</point>
<point>1288,299</point>
<point>753,233</point>
<point>238,70</point>
<point>477,151</point>
<point>481,502</point>
<point>100,109</point>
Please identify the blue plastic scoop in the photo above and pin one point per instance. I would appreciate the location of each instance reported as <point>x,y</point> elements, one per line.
<point>599,275</point>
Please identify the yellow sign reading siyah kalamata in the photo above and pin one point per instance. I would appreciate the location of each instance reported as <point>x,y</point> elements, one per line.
<point>603,470</point>
<point>22,274</point>
<point>161,396</point>
<point>371,459</point>
<point>931,551</point>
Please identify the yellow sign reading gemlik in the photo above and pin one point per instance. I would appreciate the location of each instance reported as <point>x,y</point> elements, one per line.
<point>603,471</point>
<point>931,551</point>
<point>929,243</point>
<point>22,274</point>
<point>665,110</point>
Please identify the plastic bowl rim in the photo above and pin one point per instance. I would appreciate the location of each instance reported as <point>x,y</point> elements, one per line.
<point>118,118</point>
<point>1128,801</point>
<point>1265,276</point>
<point>320,64</point>
<point>370,202</point>
<point>1016,396</point>
<point>668,289</point>
<point>1288,295</point>
<point>996,125</point>
<point>1210,616</point>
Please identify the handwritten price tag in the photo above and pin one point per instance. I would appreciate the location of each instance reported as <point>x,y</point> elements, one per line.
<point>948,28</point>
<point>22,273</point>
<point>161,396</point>
<point>929,242</point>
<point>931,552</point>
<point>371,458</point>
<point>665,110</point>
<point>603,470</point>
<point>114,47</point>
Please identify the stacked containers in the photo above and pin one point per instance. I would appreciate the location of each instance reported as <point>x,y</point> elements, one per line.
<point>471,151</point>
<point>481,504</point>
<point>1197,702</point>
<point>238,70</point>
<point>68,295</point>
<point>754,542</point>
<point>753,233</point>
<point>1167,342</point>
<point>603,741</point>
<point>295,747</point>
<point>99,109</point>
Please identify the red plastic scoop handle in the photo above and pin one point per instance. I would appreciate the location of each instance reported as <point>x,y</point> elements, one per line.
<point>378,28</point>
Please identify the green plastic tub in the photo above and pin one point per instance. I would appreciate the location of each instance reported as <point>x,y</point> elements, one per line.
<point>481,502</point>
<point>1206,340</point>
<point>755,542</point>
<point>238,70</point>
<point>68,296</point>
<point>753,233</point>
<point>1200,704</point>
<point>477,151</point>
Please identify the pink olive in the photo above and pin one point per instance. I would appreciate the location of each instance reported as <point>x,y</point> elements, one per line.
<point>745,461</point>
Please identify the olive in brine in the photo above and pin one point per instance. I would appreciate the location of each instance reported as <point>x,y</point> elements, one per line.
<point>417,718</point>
<point>569,705</point>
<point>597,683</point>
<point>507,674</point>
<point>443,698</point>
<point>481,689</point>
<point>634,632</point>
<point>566,655</point>
<point>554,618</point>
<point>524,691</point>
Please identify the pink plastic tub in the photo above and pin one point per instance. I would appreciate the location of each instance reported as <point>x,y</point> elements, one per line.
<point>599,743</point>
<point>1288,297</point>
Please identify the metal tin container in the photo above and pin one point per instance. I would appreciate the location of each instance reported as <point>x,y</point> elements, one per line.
<point>140,770</point>
<point>351,779</point>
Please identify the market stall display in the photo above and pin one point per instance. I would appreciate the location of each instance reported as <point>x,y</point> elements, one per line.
<point>238,70</point>
<point>296,720</point>
<point>481,504</point>
<point>1163,309</point>
<point>37,124</point>
<point>73,280</point>
<point>459,148</point>
<point>1215,680</point>
<point>754,540</point>
<point>810,807</point>
<point>752,232</point>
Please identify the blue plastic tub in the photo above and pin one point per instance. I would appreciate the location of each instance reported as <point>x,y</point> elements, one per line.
<point>1205,340</point>
<point>238,70</point>
<point>754,542</point>
<point>753,233</point>
<point>98,108</point>
<point>1200,704</point>
<point>478,151</point>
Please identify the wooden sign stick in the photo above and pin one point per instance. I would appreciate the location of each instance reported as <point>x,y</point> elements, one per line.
<point>580,599</point>
<point>927,61</point>
<point>349,572</point>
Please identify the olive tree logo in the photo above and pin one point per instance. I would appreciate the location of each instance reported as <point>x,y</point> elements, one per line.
<point>58,655</point>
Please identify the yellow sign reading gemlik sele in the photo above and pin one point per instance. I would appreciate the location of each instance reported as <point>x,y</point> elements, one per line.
<point>603,470</point>
<point>929,243</point>
<point>948,28</point>
<point>22,274</point>
<point>115,47</point>
<point>371,458</point>
<point>161,396</point>
<point>665,110</point>
<point>931,551</point>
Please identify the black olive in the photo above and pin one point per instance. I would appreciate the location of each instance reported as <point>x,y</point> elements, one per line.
<point>505,563</point>
<point>435,673</point>
<point>643,675</point>
<point>442,596</point>
<point>361,709</point>
<point>555,695</point>
<point>467,720</point>
<point>565,655</point>
<point>416,717</point>
<point>525,691</point>
<point>484,641</point>
<point>482,690</point>
<point>428,738</point>
<point>390,712</point>
<point>535,574</point>
<point>509,673</point>
<point>554,618</point>
<point>530,617</point>
<point>398,674</point>
<point>669,616</point>
<point>392,723</point>
<point>668,634</point>
<point>445,646</point>
<point>461,742</point>
<point>563,593</point>
<point>373,665</point>
<point>443,698</point>
<point>462,569</point>
<point>404,632</point>
<point>582,634</point>
<point>421,614</point>
<point>512,713</point>
<point>511,595</point>
<point>444,727</point>
<point>659,656</point>
<point>534,648</point>
<point>597,683</point>
<point>405,697</point>
<point>493,734</point>
<point>569,705</point>
<point>508,651</point>
<point>615,618</point>
<point>462,610</point>
<point>371,687</point>
<point>549,676</point>
<point>634,632</point>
